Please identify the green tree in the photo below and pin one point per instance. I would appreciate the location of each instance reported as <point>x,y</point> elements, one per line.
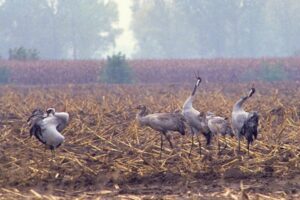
<point>78,29</point>
<point>218,28</point>
<point>116,70</point>
<point>267,71</point>
<point>166,30</point>
<point>24,23</point>
<point>272,72</point>
<point>23,54</point>
<point>186,28</point>
<point>4,75</point>
<point>86,27</point>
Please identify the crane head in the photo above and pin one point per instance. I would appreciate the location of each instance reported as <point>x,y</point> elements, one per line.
<point>50,111</point>
<point>141,107</point>
<point>251,92</point>
<point>198,79</point>
<point>35,112</point>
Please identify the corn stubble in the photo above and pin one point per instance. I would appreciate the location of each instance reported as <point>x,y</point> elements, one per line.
<point>106,153</point>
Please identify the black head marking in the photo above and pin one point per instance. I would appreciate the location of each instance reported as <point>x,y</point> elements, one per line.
<point>251,92</point>
<point>50,111</point>
<point>141,107</point>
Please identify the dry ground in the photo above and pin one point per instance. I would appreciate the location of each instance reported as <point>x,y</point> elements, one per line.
<point>106,155</point>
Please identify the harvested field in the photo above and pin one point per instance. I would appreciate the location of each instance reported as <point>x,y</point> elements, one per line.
<point>106,155</point>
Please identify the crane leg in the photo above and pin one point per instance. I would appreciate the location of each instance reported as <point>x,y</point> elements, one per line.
<point>161,144</point>
<point>53,157</point>
<point>44,153</point>
<point>169,139</point>
<point>248,146</point>
<point>199,143</point>
<point>239,147</point>
<point>217,137</point>
<point>192,145</point>
<point>181,140</point>
<point>225,141</point>
<point>53,153</point>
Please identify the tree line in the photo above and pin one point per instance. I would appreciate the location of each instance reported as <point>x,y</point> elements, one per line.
<point>217,28</point>
<point>58,29</point>
<point>85,29</point>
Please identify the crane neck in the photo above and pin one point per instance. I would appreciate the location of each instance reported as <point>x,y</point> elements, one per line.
<point>239,104</point>
<point>140,117</point>
<point>141,113</point>
<point>194,90</point>
<point>188,103</point>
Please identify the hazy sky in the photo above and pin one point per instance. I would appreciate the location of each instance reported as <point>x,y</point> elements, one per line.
<point>126,42</point>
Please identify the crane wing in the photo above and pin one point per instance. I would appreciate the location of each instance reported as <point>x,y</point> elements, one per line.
<point>35,123</point>
<point>61,119</point>
<point>251,124</point>
<point>239,119</point>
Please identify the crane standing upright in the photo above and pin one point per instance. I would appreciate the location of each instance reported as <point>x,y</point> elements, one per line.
<point>195,119</point>
<point>245,124</point>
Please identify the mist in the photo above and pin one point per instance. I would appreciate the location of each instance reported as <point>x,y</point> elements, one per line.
<point>73,29</point>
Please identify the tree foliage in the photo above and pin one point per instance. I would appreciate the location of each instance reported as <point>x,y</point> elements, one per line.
<point>4,75</point>
<point>23,54</point>
<point>116,70</point>
<point>218,28</point>
<point>59,29</point>
<point>86,26</point>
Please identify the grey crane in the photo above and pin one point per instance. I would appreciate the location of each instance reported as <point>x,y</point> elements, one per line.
<point>219,125</point>
<point>46,127</point>
<point>196,120</point>
<point>245,124</point>
<point>162,122</point>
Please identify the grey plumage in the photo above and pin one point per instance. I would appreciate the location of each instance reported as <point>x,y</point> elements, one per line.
<point>46,127</point>
<point>33,121</point>
<point>219,125</point>
<point>249,129</point>
<point>245,124</point>
<point>162,122</point>
<point>196,120</point>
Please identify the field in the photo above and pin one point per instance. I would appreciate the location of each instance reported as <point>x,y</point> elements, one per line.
<point>151,71</point>
<point>106,155</point>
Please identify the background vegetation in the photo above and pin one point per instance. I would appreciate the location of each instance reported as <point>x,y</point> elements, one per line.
<point>4,75</point>
<point>63,29</point>
<point>72,29</point>
<point>23,54</point>
<point>116,70</point>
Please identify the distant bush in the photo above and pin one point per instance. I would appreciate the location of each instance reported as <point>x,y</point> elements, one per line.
<point>116,70</point>
<point>273,72</point>
<point>23,54</point>
<point>4,75</point>
<point>296,53</point>
<point>267,72</point>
